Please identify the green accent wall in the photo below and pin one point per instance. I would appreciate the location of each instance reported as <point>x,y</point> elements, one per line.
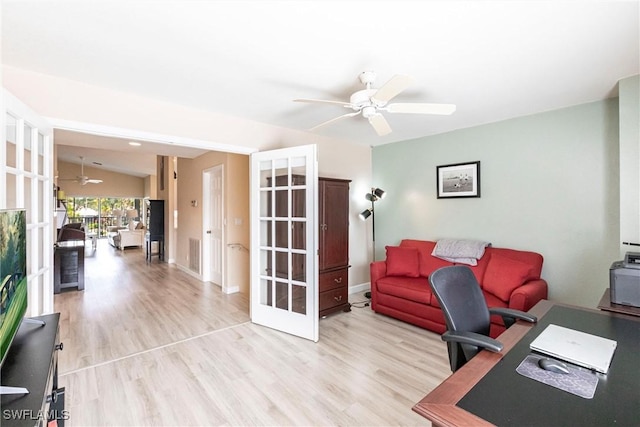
<point>629,90</point>
<point>549,184</point>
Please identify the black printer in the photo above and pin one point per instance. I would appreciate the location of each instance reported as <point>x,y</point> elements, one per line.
<point>624,280</point>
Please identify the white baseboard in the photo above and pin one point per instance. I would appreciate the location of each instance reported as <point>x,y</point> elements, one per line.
<point>363,287</point>
<point>189,272</point>
<point>232,290</point>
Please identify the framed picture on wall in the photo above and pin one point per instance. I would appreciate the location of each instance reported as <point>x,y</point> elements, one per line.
<point>458,180</point>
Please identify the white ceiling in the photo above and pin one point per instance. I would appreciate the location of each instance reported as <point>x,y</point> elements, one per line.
<point>493,59</point>
<point>116,154</point>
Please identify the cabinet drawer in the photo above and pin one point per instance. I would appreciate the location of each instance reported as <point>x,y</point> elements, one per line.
<point>333,298</point>
<point>334,279</point>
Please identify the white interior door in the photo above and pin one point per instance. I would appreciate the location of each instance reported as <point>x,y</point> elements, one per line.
<point>284,236</point>
<point>213,225</point>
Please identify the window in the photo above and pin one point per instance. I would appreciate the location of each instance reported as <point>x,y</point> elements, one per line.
<point>98,214</point>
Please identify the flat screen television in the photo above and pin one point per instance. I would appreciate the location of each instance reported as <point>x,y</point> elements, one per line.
<point>13,273</point>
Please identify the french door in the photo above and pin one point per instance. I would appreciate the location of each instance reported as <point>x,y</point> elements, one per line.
<point>26,171</point>
<point>284,236</point>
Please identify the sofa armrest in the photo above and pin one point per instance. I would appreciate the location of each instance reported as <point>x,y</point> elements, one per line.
<point>528,295</point>
<point>377,270</point>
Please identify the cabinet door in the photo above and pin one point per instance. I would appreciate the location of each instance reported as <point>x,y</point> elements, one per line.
<point>155,217</point>
<point>334,223</point>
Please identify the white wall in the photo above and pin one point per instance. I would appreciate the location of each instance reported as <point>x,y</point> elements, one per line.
<point>549,184</point>
<point>113,184</point>
<point>629,90</point>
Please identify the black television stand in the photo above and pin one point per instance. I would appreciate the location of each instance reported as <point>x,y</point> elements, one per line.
<point>32,362</point>
<point>20,390</point>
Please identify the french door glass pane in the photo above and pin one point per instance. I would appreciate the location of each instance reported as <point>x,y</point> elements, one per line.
<point>27,198</point>
<point>11,150</point>
<point>12,201</point>
<point>41,201</point>
<point>264,291</point>
<point>265,262</point>
<point>27,147</point>
<point>282,296</point>
<point>40,170</point>
<point>299,267</point>
<point>298,167</point>
<point>298,198</point>
<point>299,299</point>
<point>282,265</point>
<point>265,232</point>
<point>265,174</point>
<point>41,259</point>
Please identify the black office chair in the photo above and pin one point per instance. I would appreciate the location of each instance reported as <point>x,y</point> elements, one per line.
<point>467,315</point>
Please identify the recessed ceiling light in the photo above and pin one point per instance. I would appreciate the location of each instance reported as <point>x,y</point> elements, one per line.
<point>135,144</point>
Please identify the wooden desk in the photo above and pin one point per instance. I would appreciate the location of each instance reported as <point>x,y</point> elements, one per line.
<point>443,406</point>
<point>607,305</point>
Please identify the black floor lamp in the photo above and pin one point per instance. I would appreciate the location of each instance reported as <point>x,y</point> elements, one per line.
<point>375,195</point>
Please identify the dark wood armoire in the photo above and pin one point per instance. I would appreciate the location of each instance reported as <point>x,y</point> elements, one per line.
<point>333,220</point>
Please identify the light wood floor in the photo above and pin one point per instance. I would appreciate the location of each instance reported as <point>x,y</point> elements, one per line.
<point>147,344</point>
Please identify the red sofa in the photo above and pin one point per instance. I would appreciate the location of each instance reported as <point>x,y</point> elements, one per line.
<point>400,287</point>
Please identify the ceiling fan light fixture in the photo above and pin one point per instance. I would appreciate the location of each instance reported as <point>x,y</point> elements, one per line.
<point>368,112</point>
<point>371,102</point>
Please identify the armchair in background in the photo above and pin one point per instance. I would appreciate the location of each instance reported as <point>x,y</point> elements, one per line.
<point>72,231</point>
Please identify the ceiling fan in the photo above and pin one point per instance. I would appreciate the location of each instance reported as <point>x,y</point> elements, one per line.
<point>82,179</point>
<point>370,102</point>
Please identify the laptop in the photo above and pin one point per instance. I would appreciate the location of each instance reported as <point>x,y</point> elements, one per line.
<point>586,350</point>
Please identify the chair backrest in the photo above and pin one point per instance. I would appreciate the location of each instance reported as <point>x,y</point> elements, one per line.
<point>463,306</point>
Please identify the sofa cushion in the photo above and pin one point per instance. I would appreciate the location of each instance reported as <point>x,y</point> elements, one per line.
<point>504,275</point>
<point>410,288</point>
<point>428,263</point>
<point>402,261</point>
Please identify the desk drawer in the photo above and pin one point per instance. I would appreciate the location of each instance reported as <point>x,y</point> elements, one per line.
<point>334,280</point>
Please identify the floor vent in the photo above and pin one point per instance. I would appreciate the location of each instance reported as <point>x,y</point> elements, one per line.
<point>194,255</point>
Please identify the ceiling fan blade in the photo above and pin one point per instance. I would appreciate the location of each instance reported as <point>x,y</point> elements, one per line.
<point>397,84</point>
<point>322,101</point>
<point>380,124</point>
<point>417,108</point>
<point>93,181</point>
<point>334,120</point>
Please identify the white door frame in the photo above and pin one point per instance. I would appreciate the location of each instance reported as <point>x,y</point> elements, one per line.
<point>208,275</point>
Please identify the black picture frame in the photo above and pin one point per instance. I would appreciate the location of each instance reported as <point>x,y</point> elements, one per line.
<point>458,180</point>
